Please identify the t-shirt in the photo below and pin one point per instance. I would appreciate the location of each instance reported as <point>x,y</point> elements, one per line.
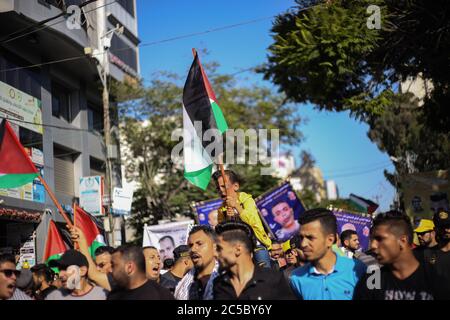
<point>439,262</point>
<point>150,290</point>
<point>418,286</point>
<point>96,293</point>
<point>169,281</point>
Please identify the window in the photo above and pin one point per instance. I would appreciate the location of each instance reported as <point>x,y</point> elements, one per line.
<point>25,80</point>
<point>64,170</point>
<point>128,5</point>
<point>61,107</point>
<point>127,55</point>
<point>95,119</point>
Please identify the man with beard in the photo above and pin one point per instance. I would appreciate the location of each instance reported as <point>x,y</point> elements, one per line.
<point>152,263</point>
<point>128,271</point>
<point>73,272</point>
<point>42,281</point>
<point>241,279</point>
<point>183,264</point>
<point>197,284</point>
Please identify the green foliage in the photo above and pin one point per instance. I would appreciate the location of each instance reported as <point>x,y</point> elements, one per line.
<point>327,55</point>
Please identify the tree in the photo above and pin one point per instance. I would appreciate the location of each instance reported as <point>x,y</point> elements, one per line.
<point>328,56</point>
<point>150,114</point>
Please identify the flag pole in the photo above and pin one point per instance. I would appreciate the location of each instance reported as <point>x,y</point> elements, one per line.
<point>221,168</point>
<point>55,201</point>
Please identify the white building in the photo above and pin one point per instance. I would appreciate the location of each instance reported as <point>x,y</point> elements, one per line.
<point>332,190</point>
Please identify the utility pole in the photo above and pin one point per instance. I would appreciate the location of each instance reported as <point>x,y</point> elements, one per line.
<point>101,55</point>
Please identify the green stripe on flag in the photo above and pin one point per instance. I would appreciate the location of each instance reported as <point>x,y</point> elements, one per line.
<point>201,177</point>
<point>14,180</point>
<point>51,258</point>
<point>94,246</point>
<point>220,119</point>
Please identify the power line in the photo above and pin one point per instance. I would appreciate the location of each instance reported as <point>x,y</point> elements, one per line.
<point>153,43</point>
<point>360,173</point>
<point>55,17</point>
<point>361,167</point>
<point>50,125</point>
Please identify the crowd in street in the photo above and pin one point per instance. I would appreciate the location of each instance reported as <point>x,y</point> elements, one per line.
<point>238,260</point>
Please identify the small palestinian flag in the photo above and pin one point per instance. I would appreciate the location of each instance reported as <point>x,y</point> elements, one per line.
<point>365,205</point>
<point>200,113</point>
<point>87,224</point>
<point>54,245</point>
<point>16,168</point>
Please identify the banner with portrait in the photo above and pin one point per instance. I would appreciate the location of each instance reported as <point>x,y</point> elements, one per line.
<point>280,208</point>
<point>166,237</point>
<point>207,211</point>
<point>359,222</point>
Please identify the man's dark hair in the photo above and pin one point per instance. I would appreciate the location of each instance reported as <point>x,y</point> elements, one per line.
<point>6,257</point>
<point>168,237</point>
<point>398,223</point>
<point>42,270</point>
<point>234,231</point>
<point>275,241</point>
<point>233,176</point>
<point>103,249</point>
<point>134,254</point>
<point>149,247</point>
<point>206,229</point>
<point>347,235</point>
<point>168,263</point>
<point>326,218</point>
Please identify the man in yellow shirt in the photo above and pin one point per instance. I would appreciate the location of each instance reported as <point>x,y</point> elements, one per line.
<point>240,206</point>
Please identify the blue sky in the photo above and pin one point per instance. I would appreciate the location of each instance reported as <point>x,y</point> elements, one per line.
<point>339,144</point>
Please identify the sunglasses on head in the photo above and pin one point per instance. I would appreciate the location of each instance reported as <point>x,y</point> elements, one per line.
<point>9,272</point>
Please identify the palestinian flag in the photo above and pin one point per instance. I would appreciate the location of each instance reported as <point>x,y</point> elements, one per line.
<point>200,113</point>
<point>16,168</point>
<point>365,205</point>
<point>88,225</point>
<point>54,245</point>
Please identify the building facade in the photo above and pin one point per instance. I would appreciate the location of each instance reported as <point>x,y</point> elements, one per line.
<point>51,93</point>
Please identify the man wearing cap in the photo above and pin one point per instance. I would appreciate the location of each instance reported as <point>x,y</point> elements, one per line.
<point>183,264</point>
<point>73,271</point>
<point>426,234</point>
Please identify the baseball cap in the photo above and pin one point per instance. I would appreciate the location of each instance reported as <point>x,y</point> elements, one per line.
<point>424,226</point>
<point>441,219</point>
<point>181,251</point>
<point>70,258</point>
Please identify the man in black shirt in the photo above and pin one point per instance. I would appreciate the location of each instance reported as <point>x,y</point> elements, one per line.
<point>42,279</point>
<point>128,271</point>
<point>241,279</point>
<point>438,257</point>
<point>183,264</point>
<point>402,277</point>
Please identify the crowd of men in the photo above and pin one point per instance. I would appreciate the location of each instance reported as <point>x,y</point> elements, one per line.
<point>237,260</point>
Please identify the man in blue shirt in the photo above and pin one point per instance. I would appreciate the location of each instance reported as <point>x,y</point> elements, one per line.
<point>326,276</point>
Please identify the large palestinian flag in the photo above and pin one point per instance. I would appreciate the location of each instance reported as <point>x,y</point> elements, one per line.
<point>90,229</point>
<point>200,113</point>
<point>54,244</point>
<point>16,168</point>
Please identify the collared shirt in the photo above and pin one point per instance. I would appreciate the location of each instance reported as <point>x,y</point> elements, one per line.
<point>339,284</point>
<point>250,216</point>
<point>265,284</point>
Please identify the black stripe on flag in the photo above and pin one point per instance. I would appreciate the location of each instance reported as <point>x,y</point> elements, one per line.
<point>196,100</point>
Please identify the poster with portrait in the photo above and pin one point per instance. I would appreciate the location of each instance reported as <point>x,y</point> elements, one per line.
<point>280,209</point>
<point>425,193</point>
<point>359,222</point>
<point>167,236</point>
<point>207,211</point>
